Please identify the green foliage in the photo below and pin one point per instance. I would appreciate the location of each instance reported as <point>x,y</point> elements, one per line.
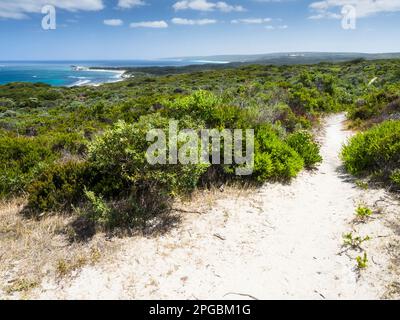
<point>354,242</point>
<point>99,211</point>
<point>201,105</point>
<point>122,151</point>
<point>376,151</point>
<point>377,103</point>
<point>59,186</point>
<point>21,159</point>
<point>363,212</point>
<point>395,177</point>
<point>274,159</point>
<point>312,99</point>
<point>302,142</point>
<point>362,262</point>
<point>362,184</point>
<point>209,108</point>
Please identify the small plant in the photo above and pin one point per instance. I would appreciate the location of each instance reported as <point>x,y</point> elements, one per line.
<point>99,212</point>
<point>21,285</point>
<point>354,242</point>
<point>362,262</point>
<point>363,212</point>
<point>64,267</point>
<point>362,185</point>
<point>95,255</point>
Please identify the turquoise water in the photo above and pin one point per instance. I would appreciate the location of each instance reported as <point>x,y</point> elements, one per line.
<point>60,73</point>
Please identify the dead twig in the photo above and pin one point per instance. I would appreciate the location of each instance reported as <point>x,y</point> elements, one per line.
<point>219,236</point>
<point>186,211</point>
<point>242,294</point>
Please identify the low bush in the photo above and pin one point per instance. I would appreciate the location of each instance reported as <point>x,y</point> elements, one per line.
<point>376,151</point>
<point>61,186</point>
<point>302,142</point>
<point>21,159</point>
<point>376,103</point>
<point>58,187</point>
<point>122,151</point>
<point>209,108</point>
<point>274,158</point>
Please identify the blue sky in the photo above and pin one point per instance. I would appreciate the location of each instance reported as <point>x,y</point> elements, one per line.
<point>145,29</point>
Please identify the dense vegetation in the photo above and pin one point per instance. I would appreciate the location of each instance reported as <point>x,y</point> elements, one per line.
<point>84,147</point>
<point>376,152</point>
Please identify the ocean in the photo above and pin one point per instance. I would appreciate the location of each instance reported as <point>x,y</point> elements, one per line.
<point>61,73</point>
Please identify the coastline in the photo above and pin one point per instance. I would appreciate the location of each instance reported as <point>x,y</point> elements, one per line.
<point>119,76</point>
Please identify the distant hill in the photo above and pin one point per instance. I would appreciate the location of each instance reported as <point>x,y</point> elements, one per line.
<point>293,57</point>
<point>234,61</point>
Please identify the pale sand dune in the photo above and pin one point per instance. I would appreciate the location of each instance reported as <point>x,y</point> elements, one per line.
<point>280,242</point>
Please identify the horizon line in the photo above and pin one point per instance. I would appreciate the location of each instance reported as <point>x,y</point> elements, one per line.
<point>197,56</point>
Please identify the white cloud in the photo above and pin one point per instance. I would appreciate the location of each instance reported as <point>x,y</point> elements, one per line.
<point>126,4</point>
<point>113,22</point>
<point>282,27</point>
<point>205,5</point>
<point>189,22</point>
<point>325,15</point>
<point>150,24</point>
<point>251,21</point>
<point>364,8</point>
<point>19,9</point>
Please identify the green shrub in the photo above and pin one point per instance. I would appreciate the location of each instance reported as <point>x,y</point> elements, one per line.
<point>363,212</point>
<point>73,143</point>
<point>376,102</point>
<point>6,104</point>
<point>122,151</point>
<point>58,187</point>
<point>99,212</point>
<point>62,185</point>
<point>21,160</point>
<point>274,159</point>
<point>50,95</point>
<point>302,142</point>
<point>309,100</point>
<point>200,105</point>
<point>376,151</point>
<point>395,177</point>
<point>211,109</point>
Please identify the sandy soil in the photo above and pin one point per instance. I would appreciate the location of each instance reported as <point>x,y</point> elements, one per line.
<point>281,241</point>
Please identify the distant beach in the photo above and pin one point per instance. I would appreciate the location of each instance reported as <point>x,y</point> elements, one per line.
<point>118,76</point>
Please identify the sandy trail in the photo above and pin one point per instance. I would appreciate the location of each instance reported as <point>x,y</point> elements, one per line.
<point>282,242</point>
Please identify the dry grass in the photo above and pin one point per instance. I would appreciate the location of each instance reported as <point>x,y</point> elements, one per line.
<point>203,200</point>
<point>33,249</point>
